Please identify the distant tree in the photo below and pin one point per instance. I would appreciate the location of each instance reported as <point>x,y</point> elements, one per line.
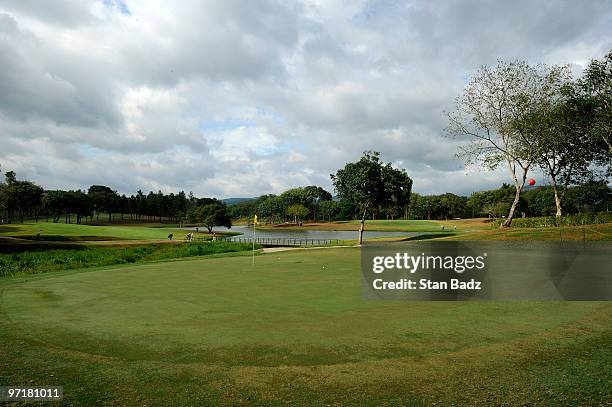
<point>592,196</point>
<point>347,210</point>
<point>55,203</point>
<point>297,211</point>
<point>3,198</point>
<point>314,197</point>
<point>269,206</point>
<point>492,112</point>
<point>80,204</point>
<point>10,177</point>
<point>102,198</point>
<point>452,205</point>
<point>329,209</point>
<point>25,198</point>
<point>502,197</point>
<point>210,215</point>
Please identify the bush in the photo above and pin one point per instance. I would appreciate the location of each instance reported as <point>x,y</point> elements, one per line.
<point>576,219</point>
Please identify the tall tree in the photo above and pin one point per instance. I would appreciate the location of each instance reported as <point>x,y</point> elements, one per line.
<point>26,198</point>
<point>102,198</point>
<point>397,189</point>
<point>597,85</point>
<point>559,125</point>
<point>491,113</point>
<point>362,183</point>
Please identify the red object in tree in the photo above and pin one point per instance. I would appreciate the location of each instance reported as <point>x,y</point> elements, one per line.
<point>532,182</point>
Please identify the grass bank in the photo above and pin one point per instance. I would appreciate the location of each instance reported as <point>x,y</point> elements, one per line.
<point>35,262</point>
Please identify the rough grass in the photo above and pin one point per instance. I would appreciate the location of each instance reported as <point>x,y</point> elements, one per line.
<point>35,262</point>
<point>292,329</point>
<point>588,232</point>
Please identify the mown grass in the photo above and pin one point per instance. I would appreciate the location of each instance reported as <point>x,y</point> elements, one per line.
<point>293,329</point>
<point>35,262</point>
<point>371,225</point>
<point>43,229</point>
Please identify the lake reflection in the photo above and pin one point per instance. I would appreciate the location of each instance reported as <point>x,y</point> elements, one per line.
<point>310,234</point>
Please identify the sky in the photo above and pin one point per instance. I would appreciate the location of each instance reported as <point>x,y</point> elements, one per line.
<point>242,98</point>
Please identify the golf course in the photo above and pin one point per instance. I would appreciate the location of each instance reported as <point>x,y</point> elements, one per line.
<point>292,328</point>
<point>320,203</point>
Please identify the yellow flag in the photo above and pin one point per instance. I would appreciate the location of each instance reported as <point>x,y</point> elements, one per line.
<point>255,220</point>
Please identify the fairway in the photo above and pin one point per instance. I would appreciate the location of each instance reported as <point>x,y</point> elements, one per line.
<point>72,230</point>
<point>293,327</point>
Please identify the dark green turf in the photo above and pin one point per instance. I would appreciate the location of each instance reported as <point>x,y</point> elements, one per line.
<point>291,329</point>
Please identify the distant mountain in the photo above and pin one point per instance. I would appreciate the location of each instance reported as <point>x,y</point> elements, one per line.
<point>234,201</point>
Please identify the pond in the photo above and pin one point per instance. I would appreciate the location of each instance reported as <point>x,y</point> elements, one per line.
<point>310,234</point>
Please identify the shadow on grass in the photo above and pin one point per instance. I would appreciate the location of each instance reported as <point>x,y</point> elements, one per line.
<point>427,236</point>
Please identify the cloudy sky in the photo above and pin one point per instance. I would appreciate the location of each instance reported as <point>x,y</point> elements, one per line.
<point>240,98</point>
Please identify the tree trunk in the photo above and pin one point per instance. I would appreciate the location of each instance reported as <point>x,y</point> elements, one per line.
<point>557,200</point>
<point>519,185</point>
<point>362,226</point>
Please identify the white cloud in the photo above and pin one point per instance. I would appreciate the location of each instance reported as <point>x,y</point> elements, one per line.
<point>229,99</point>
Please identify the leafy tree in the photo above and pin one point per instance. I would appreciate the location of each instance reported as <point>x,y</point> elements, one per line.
<point>102,198</point>
<point>55,204</point>
<point>452,205</point>
<point>24,197</point>
<point>10,177</point>
<point>315,196</point>
<point>492,112</point>
<point>541,202</point>
<point>80,204</point>
<point>596,85</point>
<point>298,211</point>
<point>329,209</point>
<point>397,189</point>
<point>560,125</point>
<point>269,206</point>
<point>592,196</point>
<point>494,202</point>
<point>362,183</point>
<point>210,214</point>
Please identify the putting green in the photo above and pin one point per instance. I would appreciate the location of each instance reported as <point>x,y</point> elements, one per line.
<point>298,309</point>
<point>290,308</point>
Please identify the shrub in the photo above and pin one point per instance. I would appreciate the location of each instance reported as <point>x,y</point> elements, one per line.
<point>35,262</point>
<point>576,219</point>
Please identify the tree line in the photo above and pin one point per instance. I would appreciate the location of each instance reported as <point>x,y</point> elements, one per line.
<point>523,117</point>
<point>314,203</point>
<point>592,196</point>
<point>23,199</point>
